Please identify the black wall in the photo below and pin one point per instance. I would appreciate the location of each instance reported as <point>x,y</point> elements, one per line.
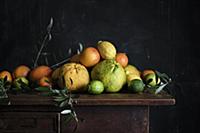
<point>158,34</point>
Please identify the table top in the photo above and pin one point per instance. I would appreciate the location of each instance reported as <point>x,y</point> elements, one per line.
<point>103,99</point>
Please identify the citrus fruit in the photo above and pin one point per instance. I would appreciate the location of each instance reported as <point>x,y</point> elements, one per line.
<point>55,74</point>
<point>149,77</point>
<point>107,50</point>
<point>122,59</point>
<point>132,77</point>
<point>75,58</point>
<point>41,71</point>
<point>111,73</point>
<point>89,57</point>
<point>136,85</point>
<point>45,82</point>
<point>130,69</point>
<point>75,77</point>
<point>21,71</point>
<point>20,82</point>
<point>95,87</point>
<point>146,72</point>
<point>7,74</point>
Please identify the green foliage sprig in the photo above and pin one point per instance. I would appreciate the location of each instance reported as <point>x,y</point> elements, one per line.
<point>4,87</point>
<point>164,81</point>
<point>63,99</point>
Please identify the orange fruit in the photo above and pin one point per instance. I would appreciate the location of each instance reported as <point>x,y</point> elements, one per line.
<point>146,72</point>
<point>41,71</point>
<point>75,58</point>
<point>45,82</point>
<point>21,71</point>
<point>122,59</point>
<point>90,57</point>
<point>7,74</point>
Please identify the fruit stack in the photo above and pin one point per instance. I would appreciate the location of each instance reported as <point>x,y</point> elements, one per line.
<point>102,69</point>
<point>95,70</point>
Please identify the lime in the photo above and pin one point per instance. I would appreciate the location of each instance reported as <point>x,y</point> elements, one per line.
<point>150,79</point>
<point>136,85</point>
<point>95,87</point>
<point>20,82</point>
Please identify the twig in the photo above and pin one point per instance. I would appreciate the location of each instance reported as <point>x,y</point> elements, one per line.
<point>47,38</point>
<point>60,63</point>
<point>79,50</point>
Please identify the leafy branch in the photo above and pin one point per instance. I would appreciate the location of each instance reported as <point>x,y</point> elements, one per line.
<point>63,99</point>
<point>4,87</point>
<point>164,81</point>
<point>45,41</point>
<point>79,50</point>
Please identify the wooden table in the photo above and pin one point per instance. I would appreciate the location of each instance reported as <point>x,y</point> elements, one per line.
<point>105,113</point>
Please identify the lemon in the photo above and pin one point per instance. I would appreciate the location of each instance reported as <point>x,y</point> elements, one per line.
<point>107,50</point>
<point>95,87</point>
<point>132,77</point>
<point>130,69</point>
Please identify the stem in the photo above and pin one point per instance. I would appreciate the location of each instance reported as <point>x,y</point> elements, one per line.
<point>47,38</point>
<point>40,51</point>
<point>59,63</point>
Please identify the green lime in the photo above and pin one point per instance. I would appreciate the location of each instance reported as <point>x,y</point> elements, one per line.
<point>95,87</point>
<point>150,79</point>
<point>20,82</point>
<point>136,85</point>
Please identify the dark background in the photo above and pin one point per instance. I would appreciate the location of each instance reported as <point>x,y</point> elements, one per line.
<point>158,34</point>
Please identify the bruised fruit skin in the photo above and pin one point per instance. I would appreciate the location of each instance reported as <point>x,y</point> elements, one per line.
<point>7,74</point>
<point>89,57</point>
<point>107,50</point>
<point>41,71</point>
<point>21,71</point>
<point>73,76</point>
<point>122,59</point>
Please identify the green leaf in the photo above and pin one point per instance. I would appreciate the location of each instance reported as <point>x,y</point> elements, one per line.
<point>47,94</point>
<point>42,89</point>
<point>59,99</point>
<point>63,104</point>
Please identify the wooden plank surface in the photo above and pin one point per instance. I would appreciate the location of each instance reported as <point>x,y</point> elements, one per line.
<point>109,119</point>
<point>103,99</point>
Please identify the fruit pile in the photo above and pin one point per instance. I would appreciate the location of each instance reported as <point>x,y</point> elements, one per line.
<point>95,70</point>
<point>102,69</point>
<point>22,77</point>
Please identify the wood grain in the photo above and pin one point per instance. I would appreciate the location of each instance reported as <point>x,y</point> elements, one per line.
<point>103,99</point>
